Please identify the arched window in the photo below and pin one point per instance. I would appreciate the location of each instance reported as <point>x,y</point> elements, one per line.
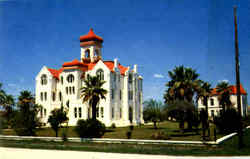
<point>212,101</point>
<point>87,53</point>
<point>70,78</point>
<point>96,53</point>
<point>61,79</point>
<point>43,79</point>
<point>60,96</point>
<point>100,74</point>
<point>41,96</point>
<point>67,103</point>
<point>130,78</point>
<point>53,96</point>
<point>67,91</point>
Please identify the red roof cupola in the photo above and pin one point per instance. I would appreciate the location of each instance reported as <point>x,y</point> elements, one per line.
<point>91,36</point>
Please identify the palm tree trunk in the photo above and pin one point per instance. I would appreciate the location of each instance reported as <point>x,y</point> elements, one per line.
<point>94,103</point>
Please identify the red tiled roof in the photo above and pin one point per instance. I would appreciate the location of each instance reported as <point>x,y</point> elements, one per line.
<point>110,65</point>
<point>233,90</point>
<point>90,36</point>
<point>55,73</point>
<point>75,64</point>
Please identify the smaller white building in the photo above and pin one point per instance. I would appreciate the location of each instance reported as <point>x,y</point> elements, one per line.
<point>214,108</point>
<point>62,87</point>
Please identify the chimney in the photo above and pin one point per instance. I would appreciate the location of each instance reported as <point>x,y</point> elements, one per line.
<point>135,68</point>
<point>115,63</point>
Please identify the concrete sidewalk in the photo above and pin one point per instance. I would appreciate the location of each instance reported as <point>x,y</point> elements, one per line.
<point>18,153</point>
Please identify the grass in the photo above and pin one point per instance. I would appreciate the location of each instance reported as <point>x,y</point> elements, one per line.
<point>227,149</point>
<point>140,132</point>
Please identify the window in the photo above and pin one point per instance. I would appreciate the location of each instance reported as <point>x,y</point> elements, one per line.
<point>114,77</point>
<point>130,95</point>
<point>100,74</point>
<point>120,94</point>
<point>45,112</point>
<point>61,79</point>
<point>102,110</point>
<point>112,94</point>
<point>41,112</point>
<point>45,96</point>
<point>43,79</point>
<point>73,90</point>
<point>53,96</point>
<point>130,78</point>
<point>120,112</point>
<point>112,113</point>
<point>60,96</point>
<point>70,78</point>
<point>212,101</point>
<point>41,96</point>
<point>75,112</point>
<point>67,90</point>
<point>80,112</point>
<point>67,103</point>
<point>212,113</point>
<point>97,112</point>
<point>87,52</point>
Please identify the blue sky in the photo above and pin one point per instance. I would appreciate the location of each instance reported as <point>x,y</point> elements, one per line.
<point>156,35</point>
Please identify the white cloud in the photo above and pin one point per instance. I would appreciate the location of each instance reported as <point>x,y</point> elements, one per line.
<point>224,80</point>
<point>158,76</point>
<point>12,85</point>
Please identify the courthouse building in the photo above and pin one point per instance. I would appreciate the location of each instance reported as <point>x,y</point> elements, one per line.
<point>61,87</point>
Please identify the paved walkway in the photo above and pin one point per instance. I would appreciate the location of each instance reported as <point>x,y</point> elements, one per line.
<point>18,153</point>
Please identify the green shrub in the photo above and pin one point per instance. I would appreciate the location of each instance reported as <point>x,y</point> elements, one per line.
<point>113,126</point>
<point>129,134</point>
<point>90,128</point>
<point>131,127</point>
<point>228,122</point>
<point>160,135</point>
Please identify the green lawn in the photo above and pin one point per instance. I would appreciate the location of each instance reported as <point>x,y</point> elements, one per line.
<point>227,149</point>
<point>140,132</point>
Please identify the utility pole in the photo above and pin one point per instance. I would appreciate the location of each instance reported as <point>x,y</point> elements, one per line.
<point>240,132</point>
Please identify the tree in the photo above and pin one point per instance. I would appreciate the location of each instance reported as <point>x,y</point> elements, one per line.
<point>2,95</point>
<point>183,84</point>
<point>182,111</point>
<point>92,92</point>
<point>204,93</point>
<point>26,120</point>
<point>152,111</point>
<point>90,128</point>
<point>7,102</point>
<point>57,117</point>
<point>224,95</point>
<point>8,105</point>
<point>181,89</point>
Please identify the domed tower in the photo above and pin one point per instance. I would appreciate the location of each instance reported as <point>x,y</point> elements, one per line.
<point>91,45</point>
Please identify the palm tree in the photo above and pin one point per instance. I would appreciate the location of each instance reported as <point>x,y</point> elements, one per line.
<point>8,104</point>
<point>224,91</point>
<point>26,120</point>
<point>92,92</point>
<point>183,84</point>
<point>2,95</point>
<point>203,93</point>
